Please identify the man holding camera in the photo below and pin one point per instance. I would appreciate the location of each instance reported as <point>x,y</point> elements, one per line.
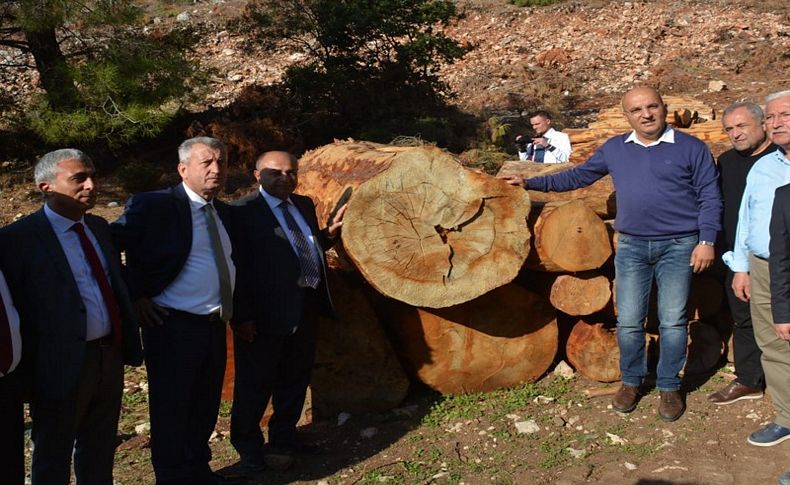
<point>548,145</point>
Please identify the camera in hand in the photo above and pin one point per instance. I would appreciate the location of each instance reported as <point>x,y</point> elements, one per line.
<point>523,141</point>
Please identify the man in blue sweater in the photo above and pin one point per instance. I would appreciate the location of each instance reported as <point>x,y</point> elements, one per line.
<point>668,214</point>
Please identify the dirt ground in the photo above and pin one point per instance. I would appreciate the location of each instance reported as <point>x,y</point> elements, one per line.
<point>475,439</point>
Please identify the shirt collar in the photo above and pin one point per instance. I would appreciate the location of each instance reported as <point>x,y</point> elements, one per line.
<point>272,200</point>
<point>667,137</point>
<point>60,223</point>
<point>549,132</point>
<point>196,199</point>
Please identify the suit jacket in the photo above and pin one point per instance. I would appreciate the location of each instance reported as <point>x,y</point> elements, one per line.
<point>53,318</point>
<point>155,230</point>
<point>268,269</point>
<point>779,260</point>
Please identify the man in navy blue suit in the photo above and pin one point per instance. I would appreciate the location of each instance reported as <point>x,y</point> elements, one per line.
<point>178,257</point>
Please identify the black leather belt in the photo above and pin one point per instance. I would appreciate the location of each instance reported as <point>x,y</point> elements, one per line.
<point>210,318</point>
<point>760,257</point>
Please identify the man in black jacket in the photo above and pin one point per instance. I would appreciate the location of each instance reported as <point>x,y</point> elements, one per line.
<point>282,289</point>
<point>178,258</point>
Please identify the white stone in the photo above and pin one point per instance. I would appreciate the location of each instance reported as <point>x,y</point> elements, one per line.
<point>576,453</point>
<point>630,466</point>
<point>112,204</point>
<point>142,428</point>
<point>369,432</point>
<point>527,427</point>
<point>716,86</point>
<point>616,440</point>
<point>563,369</point>
<point>184,17</point>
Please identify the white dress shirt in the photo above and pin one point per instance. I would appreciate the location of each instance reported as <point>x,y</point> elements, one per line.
<point>98,318</point>
<point>13,323</point>
<point>196,288</point>
<point>274,205</point>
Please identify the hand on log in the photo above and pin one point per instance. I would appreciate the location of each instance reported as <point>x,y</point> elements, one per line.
<point>514,180</point>
<point>337,222</point>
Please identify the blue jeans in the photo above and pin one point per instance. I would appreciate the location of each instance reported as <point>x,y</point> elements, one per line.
<point>636,263</point>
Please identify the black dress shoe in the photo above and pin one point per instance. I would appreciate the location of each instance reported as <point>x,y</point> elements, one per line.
<point>214,478</point>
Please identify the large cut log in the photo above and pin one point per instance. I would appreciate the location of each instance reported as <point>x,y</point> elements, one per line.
<point>592,350</point>
<point>503,338</point>
<point>356,369</point>
<point>600,196</point>
<point>568,237</point>
<point>431,233</point>
<point>580,294</point>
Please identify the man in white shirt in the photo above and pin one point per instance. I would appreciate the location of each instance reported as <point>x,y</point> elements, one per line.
<point>178,258</point>
<point>549,145</point>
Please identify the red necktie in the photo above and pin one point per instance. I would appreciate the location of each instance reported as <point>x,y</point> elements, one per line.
<point>104,285</point>
<point>6,346</point>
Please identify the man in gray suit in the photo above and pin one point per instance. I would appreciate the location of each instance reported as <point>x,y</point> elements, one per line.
<point>76,322</point>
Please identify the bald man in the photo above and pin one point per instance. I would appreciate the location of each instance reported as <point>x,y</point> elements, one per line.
<point>668,215</point>
<point>281,291</point>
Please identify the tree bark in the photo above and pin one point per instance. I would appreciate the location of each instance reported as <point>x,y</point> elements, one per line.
<point>53,71</point>
<point>567,237</point>
<point>503,338</point>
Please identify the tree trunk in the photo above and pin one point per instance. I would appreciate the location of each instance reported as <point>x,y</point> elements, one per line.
<point>431,233</point>
<point>56,80</point>
<point>568,237</point>
<point>592,350</point>
<point>600,196</point>
<point>581,294</point>
<point>503,338</point>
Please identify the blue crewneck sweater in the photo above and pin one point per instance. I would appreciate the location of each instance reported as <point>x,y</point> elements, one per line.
<point>664,191</point>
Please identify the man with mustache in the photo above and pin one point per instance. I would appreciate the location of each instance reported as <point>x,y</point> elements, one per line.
<point>178,258</point>
<point>282,289</point>
<point>77,323</point>
<point>668,215</point>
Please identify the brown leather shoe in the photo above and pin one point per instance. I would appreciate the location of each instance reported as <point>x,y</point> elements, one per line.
<point>735,391</point>
<point>626,398</point>
<point>671,405</point>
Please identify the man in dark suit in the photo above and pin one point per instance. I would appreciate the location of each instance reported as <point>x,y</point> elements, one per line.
<point>178,259</point>
<point>12,422</point>
<point>281,291</point>
<point>77,323</point>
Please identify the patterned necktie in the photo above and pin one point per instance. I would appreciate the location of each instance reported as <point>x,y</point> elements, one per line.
<point>104,285</point>
<point>225,288</point>
<point>311,272</point>
<point>6,345</point>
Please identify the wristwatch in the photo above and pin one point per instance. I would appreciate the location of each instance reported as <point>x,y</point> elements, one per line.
<point>706,243</point>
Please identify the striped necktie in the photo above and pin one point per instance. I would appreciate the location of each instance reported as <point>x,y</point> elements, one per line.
<point>311,272</point>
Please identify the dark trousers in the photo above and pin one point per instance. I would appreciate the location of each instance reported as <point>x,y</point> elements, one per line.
<point>277,367</point>
<point>748,370</point>
<point>86,421</point>
<point>185,360</point>
<point>12,436</point>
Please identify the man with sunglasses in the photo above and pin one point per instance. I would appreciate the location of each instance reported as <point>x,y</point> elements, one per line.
<point>281,291</point>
